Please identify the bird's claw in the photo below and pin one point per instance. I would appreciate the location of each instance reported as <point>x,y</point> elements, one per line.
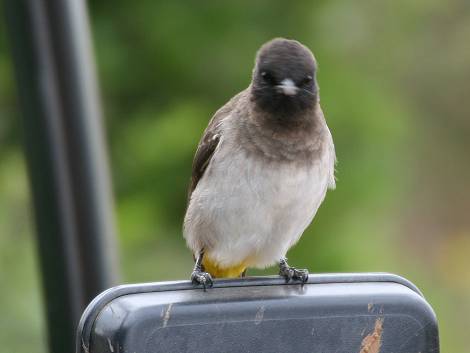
<point>202,278</point>
<point>292,273</point>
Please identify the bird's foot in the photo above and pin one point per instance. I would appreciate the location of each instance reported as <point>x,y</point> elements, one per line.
<point>291,273</point>
<point>199,277</point>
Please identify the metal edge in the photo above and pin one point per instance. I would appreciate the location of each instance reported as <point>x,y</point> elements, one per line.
<point>96,305</point>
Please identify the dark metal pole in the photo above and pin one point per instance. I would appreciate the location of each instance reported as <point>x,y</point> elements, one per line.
<point>66,157</point>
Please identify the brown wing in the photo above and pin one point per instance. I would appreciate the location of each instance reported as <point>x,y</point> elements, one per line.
<point>204,153</point>
<point>209,142</point>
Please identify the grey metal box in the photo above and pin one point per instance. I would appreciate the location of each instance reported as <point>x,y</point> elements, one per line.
<point>331,313</point>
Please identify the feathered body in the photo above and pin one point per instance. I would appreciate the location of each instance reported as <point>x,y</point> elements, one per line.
<point>259,177</point>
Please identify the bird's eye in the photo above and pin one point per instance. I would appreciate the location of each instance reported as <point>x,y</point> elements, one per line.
<point>268,77</point>
<point>307,80</point>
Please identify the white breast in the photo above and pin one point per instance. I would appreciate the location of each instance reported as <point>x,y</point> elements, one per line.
<point>245,209</point>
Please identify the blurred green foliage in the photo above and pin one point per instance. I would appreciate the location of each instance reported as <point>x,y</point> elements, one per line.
<point>394,79</point>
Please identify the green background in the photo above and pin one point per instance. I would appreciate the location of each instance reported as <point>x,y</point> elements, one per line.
<point>395,85</point>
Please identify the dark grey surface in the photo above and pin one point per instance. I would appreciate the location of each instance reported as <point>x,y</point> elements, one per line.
<point>332,313</point>
<point>66,157</point>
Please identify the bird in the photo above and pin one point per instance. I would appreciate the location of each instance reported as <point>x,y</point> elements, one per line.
<point>261,169</point>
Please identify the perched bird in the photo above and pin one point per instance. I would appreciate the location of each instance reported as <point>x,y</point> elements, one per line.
<point>261,169</point>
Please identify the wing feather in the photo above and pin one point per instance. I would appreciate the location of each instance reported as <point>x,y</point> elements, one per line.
<point>209,142</point>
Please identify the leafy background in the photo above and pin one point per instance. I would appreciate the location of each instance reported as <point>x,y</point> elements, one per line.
<point>395,80</point>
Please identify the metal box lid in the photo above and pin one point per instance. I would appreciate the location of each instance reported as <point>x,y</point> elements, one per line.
<point>331,313</point>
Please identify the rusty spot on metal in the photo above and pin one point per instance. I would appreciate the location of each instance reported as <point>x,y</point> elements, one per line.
<point>259,315</point>
<point>167,315</point>
<point>111,347</point>
<point>372,342</point>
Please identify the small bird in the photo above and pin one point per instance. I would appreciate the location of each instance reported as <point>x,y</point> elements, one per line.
<point>261,169</point>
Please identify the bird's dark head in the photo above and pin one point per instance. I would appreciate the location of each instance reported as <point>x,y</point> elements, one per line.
<point>284,80</point>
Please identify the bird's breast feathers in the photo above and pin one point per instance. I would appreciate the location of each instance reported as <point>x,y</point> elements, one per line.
<point>251,211</point>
